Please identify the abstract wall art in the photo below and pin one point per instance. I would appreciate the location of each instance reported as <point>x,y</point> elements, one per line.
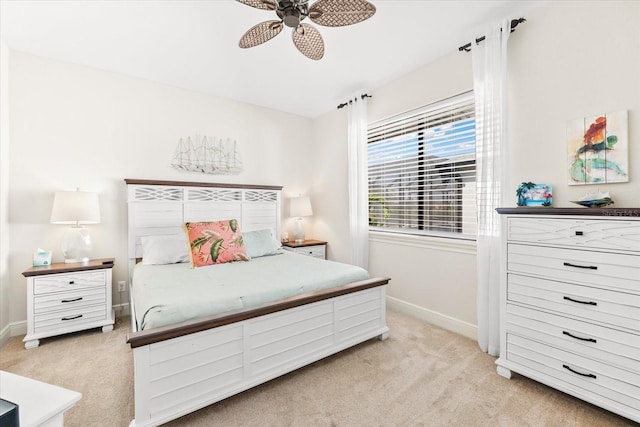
<point>598,149</point>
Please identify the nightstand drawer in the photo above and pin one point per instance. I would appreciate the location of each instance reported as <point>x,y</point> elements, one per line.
<point>68,281</point>
<point>69,300</point>
<point>69,319</point>
<point>615,308</point>
<point>314,251</point>
<point>592,234</point>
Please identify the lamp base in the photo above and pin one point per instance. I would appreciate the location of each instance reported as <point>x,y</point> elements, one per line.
<point>76,245</point>
<point>298,231</point>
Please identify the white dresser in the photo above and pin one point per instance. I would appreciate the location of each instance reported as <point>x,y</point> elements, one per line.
<point>63,298</point>
<point>570,302</point>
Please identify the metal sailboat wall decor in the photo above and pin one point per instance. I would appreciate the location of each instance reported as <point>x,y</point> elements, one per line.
<point>206,154</point>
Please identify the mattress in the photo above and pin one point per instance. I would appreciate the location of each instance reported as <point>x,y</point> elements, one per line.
<point>172,293</point>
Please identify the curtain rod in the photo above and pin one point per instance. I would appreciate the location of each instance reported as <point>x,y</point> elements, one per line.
<point>363,96</point>
<point>514,24</point>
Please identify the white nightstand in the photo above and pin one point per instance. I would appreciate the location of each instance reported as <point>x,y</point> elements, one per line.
<point>314,248</point>
<point>63,298</point>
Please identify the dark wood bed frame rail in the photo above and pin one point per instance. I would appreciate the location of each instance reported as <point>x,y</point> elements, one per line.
<point>141,338</point>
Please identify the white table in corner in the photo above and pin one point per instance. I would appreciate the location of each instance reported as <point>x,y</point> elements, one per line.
<point>39,404</point>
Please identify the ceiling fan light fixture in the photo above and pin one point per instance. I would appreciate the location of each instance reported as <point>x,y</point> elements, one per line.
<point>291,18</point>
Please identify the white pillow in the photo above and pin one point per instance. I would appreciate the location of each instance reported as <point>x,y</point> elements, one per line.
<point>167,249</point>
<point>260,243</point>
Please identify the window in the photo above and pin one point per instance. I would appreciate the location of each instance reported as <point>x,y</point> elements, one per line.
<point>422,175</point>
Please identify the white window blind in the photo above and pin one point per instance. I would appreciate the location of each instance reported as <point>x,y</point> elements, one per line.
<point>422,177</point>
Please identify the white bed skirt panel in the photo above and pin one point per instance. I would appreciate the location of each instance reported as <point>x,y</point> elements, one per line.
<point>180,375</point>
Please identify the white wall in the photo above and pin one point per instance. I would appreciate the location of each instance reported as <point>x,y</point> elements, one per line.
<point>330,193</point>
<point>4,192</point>
<point>74,127</point>
<point>570,59</point>
<point>573,59</point>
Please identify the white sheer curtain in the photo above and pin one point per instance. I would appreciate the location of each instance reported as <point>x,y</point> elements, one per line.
<point>358,182</point>
<point>490,89</point>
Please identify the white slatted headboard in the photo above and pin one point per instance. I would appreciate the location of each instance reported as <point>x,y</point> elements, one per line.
<point>161,207</point>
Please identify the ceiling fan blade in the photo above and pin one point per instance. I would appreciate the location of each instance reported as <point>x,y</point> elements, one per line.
<point>308,41</point>
<point>260,4</point>
<point>338,13</point>
<point>260,33</point>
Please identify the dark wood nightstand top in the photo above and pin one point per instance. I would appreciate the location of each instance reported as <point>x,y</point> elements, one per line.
<point>304,243</point>
<point>56,268</point>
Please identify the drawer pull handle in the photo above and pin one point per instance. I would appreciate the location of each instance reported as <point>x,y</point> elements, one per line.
<point>578,373</point>
<point>579,338</point>
<point>71,282</point>
<point>579,233</point>
<point>72,300</point>
<point>580,302</point>
<point>72,317</point>
<point>588,267</point>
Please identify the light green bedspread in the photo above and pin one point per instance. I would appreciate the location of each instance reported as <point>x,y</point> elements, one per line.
<point>168,294</point>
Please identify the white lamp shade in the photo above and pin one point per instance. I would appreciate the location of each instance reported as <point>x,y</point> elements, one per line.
<point>300,206</point>
<point>75,207</point>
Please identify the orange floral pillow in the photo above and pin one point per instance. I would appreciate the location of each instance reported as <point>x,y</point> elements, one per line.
<point>215,242</point>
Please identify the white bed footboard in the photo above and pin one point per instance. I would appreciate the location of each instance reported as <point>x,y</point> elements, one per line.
<point>180,375</point>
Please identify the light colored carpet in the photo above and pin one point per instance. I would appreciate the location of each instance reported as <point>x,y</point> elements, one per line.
<point>421,376</point>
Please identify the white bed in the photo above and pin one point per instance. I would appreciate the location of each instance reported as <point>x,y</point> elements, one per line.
<point>184,367</point>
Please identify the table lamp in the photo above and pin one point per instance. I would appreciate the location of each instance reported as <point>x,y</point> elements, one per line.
<point>76,208</point>
<point>299,207</point>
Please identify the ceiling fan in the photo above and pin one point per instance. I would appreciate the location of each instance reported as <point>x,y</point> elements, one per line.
<point>329,13</point>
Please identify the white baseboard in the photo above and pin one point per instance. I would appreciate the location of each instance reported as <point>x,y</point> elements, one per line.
<point>438,319</point>
<point>13,330</point>
<point>18,328</point>
<point>122,309</point>
<point>5,334</point>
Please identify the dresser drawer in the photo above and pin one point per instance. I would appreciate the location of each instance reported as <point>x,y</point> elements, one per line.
<point>69,320</point>
<point>69,300</point>
<point>591,234</point>
<point>593,304</point>
<point>619,385</point>
<point>611,346</point>
<point>68,281</point>
<point>601,269</point>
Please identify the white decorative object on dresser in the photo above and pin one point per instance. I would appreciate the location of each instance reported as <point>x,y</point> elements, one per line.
<point>570,302</point>
<point>314,248</point>
<point>63,298</point>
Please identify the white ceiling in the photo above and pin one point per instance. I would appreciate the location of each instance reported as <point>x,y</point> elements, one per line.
<point>194,45</point>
